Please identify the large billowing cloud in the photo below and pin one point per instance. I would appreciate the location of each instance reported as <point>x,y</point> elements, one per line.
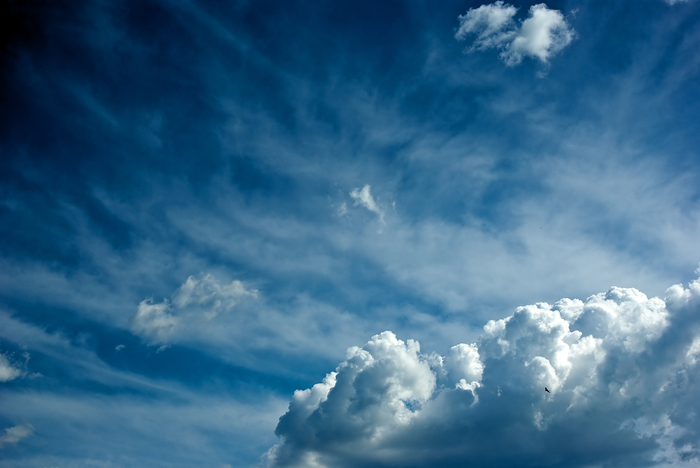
<point>622,370</point>
<point>543,33</point>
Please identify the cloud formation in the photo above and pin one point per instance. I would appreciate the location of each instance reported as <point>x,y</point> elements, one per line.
<point>16,433</point>
<point>364,198</point>
<point>7,371</point>
<point>196,301</point>
<point>541,35</point>
<point>622,370</point>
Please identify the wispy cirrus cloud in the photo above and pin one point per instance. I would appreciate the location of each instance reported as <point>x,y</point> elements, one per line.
<point>124,424</point>
<point>541,35</point>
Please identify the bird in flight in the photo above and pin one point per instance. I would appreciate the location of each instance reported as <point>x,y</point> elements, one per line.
<point>547,390</point>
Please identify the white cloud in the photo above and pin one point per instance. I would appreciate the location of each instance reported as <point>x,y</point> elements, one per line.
<point>154,321</point>
<point>195,301</point>
<point>15,434</point>
<point>210,296</point>
<point>493,25</point>
<point>7,371</point>
<point>364,197</point>
<point>543,33</point>
<point>376,391</point>
<point>622,370</point>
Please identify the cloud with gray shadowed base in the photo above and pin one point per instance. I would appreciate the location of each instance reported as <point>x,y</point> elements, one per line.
<point>622,369</point>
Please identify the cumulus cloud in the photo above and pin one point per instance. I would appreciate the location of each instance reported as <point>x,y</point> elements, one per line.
<point>622,369</point>
<point>15,434</point>
<point>7,371</point>
<point>364,198</point>
<point>541,35</point>
<point>195,301</point>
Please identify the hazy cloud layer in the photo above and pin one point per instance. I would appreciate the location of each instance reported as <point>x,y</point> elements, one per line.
<point>541,35</point>
<point>622,370</point>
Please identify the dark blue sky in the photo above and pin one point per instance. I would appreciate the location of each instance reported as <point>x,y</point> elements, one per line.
<point>204,204</point>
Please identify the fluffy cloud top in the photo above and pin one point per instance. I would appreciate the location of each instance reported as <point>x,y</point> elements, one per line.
<point>364,198</point>
<point>543,33</point>
<point>195,301</point>
<point>15,434</point>
<point>622,369</point>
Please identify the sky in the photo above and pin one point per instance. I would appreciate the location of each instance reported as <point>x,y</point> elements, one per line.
<point>349,234</point>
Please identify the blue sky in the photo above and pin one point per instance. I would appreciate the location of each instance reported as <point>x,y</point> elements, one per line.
<point>349,233</point>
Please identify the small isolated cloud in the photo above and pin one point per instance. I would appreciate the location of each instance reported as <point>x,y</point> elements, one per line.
<point>119,347</point>
<point>194,301</point>
<point>15,434</point>
<point>673,2</point>
<point>541,35</point>
<point>7,371</point>
<point>157,322</point>
<point>342,210</point>
<point>364,198</point>
<point>622,370</point>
